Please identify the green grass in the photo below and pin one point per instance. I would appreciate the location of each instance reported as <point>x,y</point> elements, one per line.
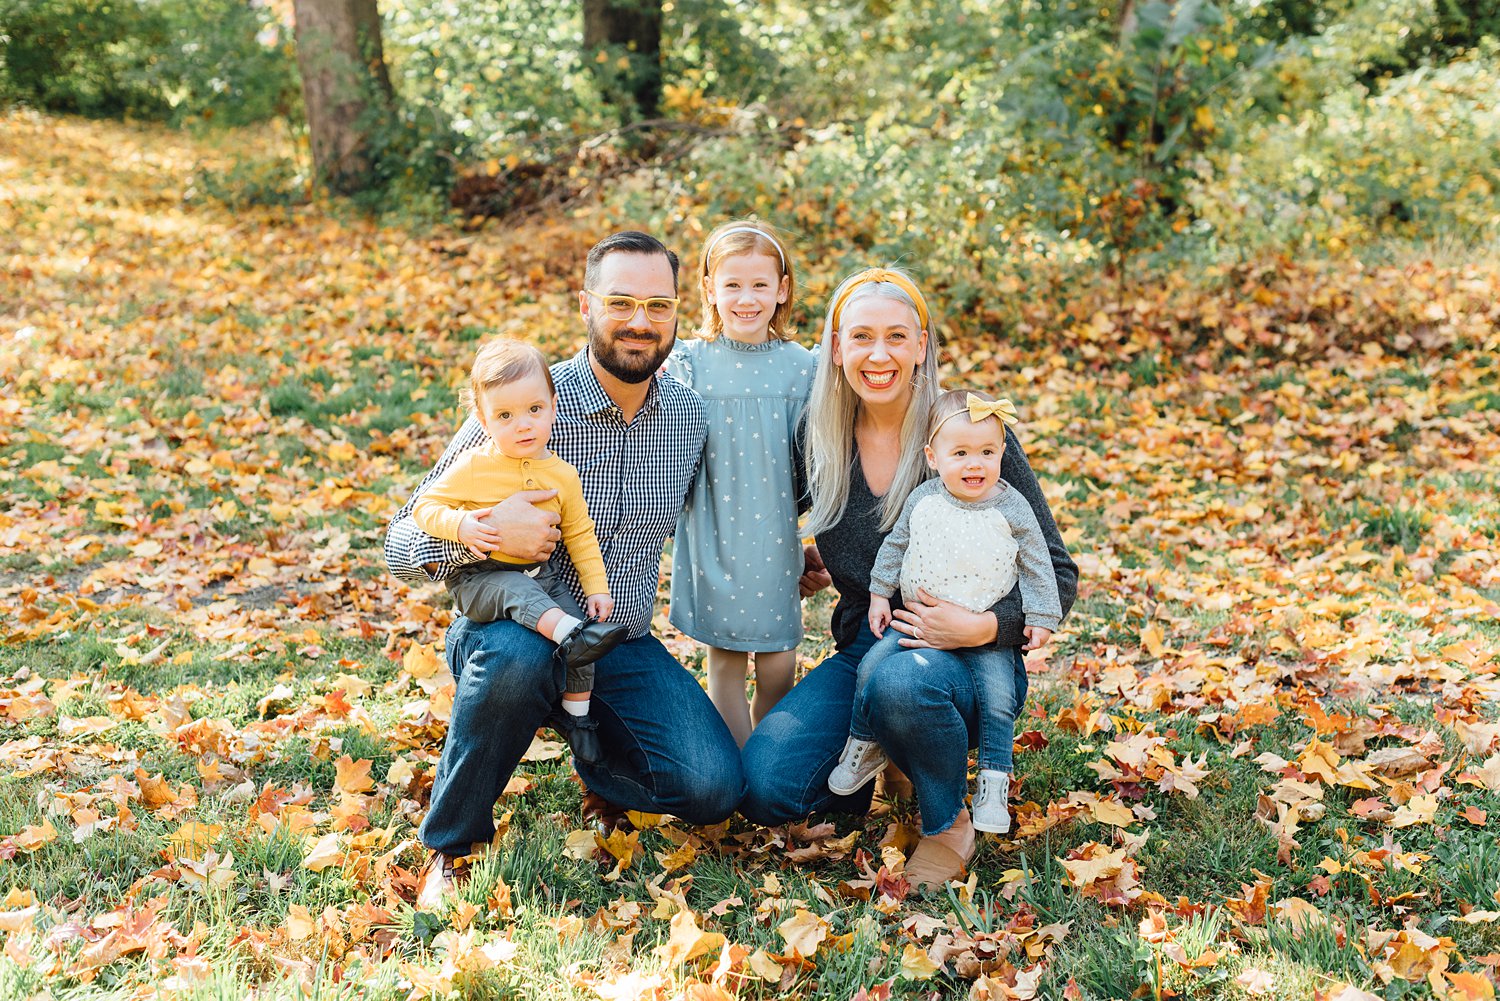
<point>372,394</point>
<point>271,397</point>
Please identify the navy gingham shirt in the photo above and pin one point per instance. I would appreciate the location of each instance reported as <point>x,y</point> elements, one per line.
<point>635,478</point>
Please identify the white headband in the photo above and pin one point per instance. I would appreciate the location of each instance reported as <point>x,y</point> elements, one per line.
<point>708,251</point>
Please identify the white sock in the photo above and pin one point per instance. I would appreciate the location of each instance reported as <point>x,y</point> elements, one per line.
<point>565,625</point>
<point>578,707</point>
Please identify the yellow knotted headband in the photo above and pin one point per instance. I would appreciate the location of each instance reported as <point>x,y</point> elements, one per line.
<point>979,410</point>
<point>872,275</point>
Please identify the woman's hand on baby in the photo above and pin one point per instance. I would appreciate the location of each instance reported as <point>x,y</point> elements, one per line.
<point>880,614</point>
<point>479,537</point>
<point>600,606</point>
<point>942,625</point>
<point>1036,637</point>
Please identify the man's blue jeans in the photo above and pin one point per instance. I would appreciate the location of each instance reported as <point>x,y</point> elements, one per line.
<point>666,749</point>
<point>922,707</point>
<point>995,673</point>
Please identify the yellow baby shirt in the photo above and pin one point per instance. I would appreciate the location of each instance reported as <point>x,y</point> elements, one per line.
<point>483,476</point>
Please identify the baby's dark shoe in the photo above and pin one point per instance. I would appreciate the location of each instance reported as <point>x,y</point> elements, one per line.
<point>581,733</point>
<point>589,641</point>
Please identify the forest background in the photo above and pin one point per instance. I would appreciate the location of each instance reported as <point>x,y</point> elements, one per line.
<point>1236,263</point>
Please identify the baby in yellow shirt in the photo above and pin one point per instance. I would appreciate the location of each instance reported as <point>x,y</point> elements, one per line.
<point>510,392</point>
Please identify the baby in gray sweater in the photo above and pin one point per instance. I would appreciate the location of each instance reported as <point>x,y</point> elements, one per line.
<point>967,537</point>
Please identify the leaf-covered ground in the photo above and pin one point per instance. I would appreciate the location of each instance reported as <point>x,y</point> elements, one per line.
<point>1259,761</point>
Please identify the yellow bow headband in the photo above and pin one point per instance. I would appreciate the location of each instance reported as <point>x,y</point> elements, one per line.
<point>872,275</point>
<point>979,410</point>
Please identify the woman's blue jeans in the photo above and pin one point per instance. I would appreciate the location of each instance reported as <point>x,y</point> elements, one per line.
<point>666,749</point>
<point>994,672</point>
<point>923,708</point>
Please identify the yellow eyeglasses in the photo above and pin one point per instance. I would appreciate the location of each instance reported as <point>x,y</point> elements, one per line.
<point>623,307</point>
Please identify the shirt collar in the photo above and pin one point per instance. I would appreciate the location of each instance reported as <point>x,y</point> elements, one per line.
<point>591,397</point>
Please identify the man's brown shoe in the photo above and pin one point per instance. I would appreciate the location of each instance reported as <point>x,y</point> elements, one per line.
<point>604,815</point>
<point>443,875</point>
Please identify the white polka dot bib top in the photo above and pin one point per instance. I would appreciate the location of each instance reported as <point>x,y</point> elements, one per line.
<point>966,555</point>
<point>971,554</point>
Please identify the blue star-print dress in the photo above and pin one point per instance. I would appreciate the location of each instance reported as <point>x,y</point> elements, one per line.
<point>737,556</point>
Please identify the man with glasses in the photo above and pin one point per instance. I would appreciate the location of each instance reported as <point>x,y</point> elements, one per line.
<point>635,440</point>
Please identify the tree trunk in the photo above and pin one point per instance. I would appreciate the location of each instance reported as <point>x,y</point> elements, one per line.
<point>635,26</point>
<point>345,85</point>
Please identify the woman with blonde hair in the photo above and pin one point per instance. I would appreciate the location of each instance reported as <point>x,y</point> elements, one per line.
<point>866,429</point>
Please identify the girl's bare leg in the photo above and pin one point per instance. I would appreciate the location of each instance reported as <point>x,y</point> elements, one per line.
<point>773,679</point>
<point>726,690</point>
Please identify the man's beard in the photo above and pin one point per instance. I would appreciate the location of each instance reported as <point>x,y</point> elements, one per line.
<point>628,368</point>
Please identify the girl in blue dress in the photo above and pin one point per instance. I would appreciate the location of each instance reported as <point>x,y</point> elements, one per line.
<point>737,554</point>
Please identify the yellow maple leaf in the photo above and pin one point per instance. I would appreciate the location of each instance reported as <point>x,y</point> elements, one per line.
<point>341,451</point>
<point>420,661</point>
<point>300,923</point>
<point>1299,914</point>
<point>69,726</point>
<point>643,821</point>
<point>211,871</point>
<point>1319,760</point>
<point>1348,992</point>
<point>684,856</point>
<point>687,941</point>
<point>580,845</point>
<point>544,750</point>
<point>353,686</point>
<point>1099,863</point>
<point>353,776</point>
<point>803,932</point>
<point>623,845</point>
<point>324,853</point>
<point>1489,773</point>
<point>18,896</point>
<point>1417,810</point>
<point>916,964</point>
<point>1479,917</point>
<point>193,839</point>
<point>763,966</point>
<point>400,774</point>
<point>1469,987</point>
<point>1154,640</point>
<point>22,920</point>
<point>1112,812</point>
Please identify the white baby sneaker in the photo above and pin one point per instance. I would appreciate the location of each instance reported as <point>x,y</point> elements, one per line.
<point>860,762</point>
<point>991,802</point>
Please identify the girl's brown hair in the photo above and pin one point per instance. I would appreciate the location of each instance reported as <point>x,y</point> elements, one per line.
<point>499,363</point>
<point>749,237</point>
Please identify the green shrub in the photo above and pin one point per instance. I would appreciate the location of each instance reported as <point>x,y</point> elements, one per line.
<point>173,60</point>
<point>253,182</point>
<point>1420,158</point>
<point>505,75</point>
<point>81,56</point>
